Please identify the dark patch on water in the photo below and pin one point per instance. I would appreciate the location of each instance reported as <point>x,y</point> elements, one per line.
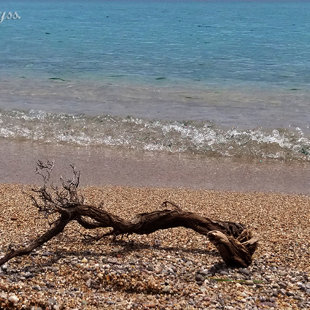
<point>57,79</point>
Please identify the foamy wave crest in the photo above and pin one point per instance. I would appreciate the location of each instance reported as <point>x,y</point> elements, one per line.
<point>154,135</point>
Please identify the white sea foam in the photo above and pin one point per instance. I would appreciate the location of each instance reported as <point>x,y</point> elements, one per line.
<point>140,134</point>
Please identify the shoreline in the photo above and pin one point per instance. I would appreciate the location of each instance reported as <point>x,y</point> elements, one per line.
<point>108,166</point>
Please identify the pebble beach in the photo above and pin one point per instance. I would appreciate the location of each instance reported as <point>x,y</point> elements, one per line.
<point>204,104</point>
<point>171,269</point>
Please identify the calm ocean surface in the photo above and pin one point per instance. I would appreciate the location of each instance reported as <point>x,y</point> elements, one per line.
<point>217,78</point>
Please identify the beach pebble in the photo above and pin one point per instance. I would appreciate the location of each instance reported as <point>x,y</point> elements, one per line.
<point>203,272</point>
<point>245,271</point>
<point>52,301</point>
<point>166,289</point>
<point>199,277</point>
<point>248,282</point>
<point>13,299</point>
<point>28,275</point>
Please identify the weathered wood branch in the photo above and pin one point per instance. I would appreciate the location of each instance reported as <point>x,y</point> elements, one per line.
<point>234,243</point>
<point>57,228</point>
<point>233,252</point>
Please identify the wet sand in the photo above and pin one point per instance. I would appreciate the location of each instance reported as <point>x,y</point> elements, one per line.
<point>104,166</point>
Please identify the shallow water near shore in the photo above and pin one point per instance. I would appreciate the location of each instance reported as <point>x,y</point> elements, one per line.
<point>235,104</point>
<point>189,137</point>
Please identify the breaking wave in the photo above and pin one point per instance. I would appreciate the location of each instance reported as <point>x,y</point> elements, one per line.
<point>155,135</point>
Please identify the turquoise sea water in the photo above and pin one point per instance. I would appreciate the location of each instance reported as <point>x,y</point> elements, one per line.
<point>221,78</point>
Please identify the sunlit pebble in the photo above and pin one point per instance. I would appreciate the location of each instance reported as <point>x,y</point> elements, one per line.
<point>13,299</point>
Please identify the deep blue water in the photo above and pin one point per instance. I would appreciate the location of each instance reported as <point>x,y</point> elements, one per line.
<point>238,64</point>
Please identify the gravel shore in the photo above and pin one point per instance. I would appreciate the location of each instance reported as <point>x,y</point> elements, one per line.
<point>171,269</point>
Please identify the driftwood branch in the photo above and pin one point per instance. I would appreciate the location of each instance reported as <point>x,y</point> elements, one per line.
<point>234,243</point>
<point>58,227</point>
